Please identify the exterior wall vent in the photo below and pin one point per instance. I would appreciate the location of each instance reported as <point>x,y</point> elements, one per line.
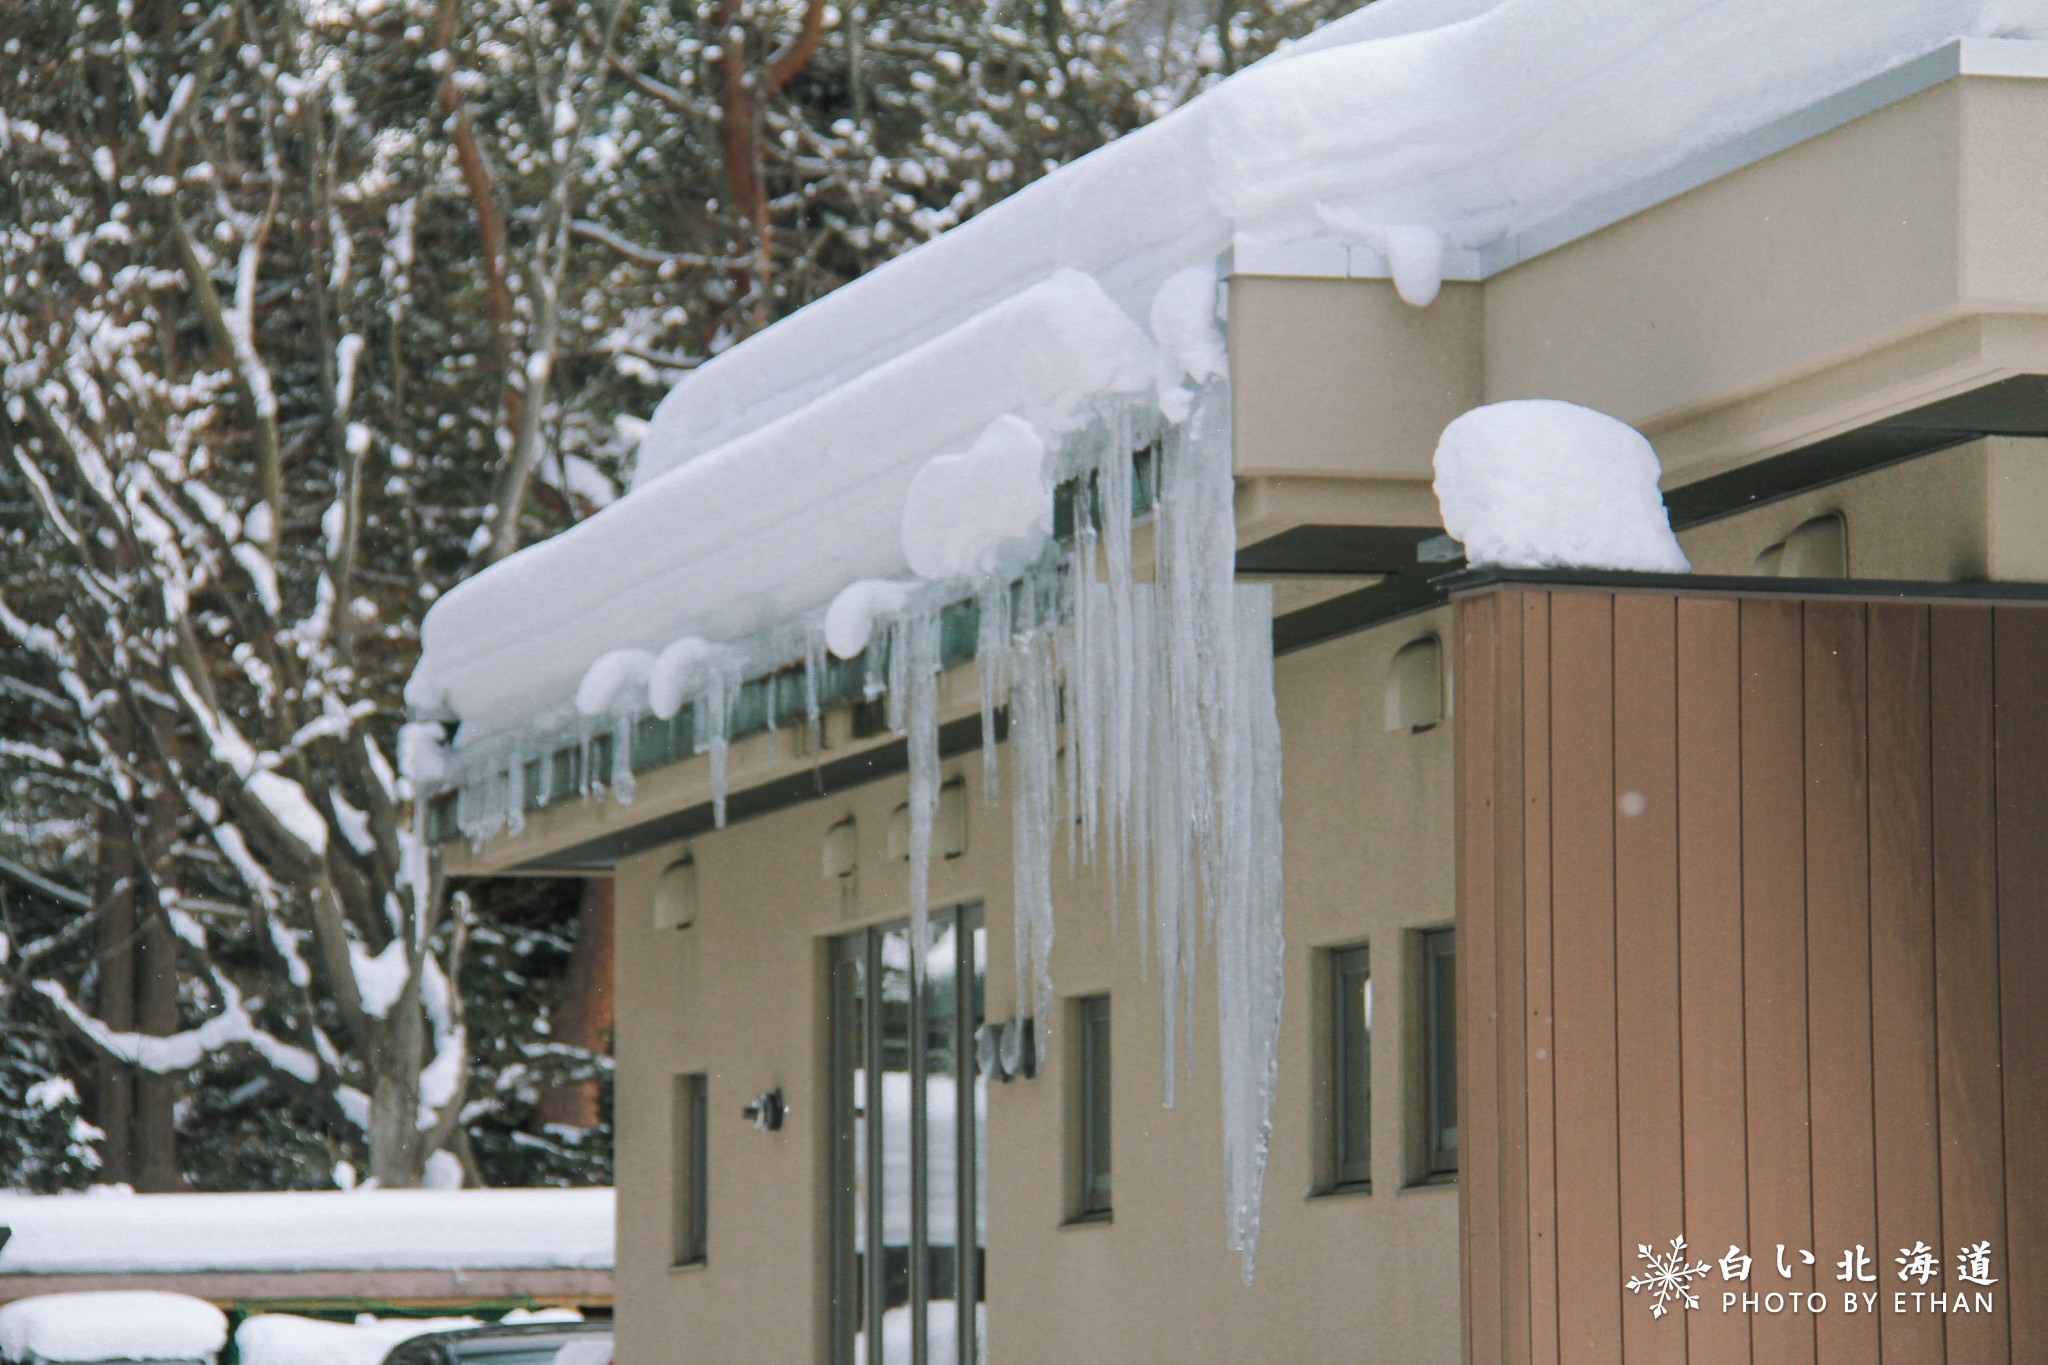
<point>675,895</point>
<point>899,833</point>
<point>1415,687</point>
<point>1818,548</point>
<point>842,849</point>
<point>949,822</point>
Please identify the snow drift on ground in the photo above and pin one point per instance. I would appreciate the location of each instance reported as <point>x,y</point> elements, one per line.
<point>1539,484</point>
<point>778,472</point>
<point>122,1324</point>
<point>322,1230</point>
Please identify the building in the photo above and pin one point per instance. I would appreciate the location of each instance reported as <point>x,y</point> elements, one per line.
<point>1618,907</point>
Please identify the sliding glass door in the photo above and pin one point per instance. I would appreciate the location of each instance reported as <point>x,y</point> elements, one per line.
<point>908,1122</point>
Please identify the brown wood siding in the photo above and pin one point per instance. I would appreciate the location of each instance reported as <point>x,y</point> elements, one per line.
<point>1754,910</point>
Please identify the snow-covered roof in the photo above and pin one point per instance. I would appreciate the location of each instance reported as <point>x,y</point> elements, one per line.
<point>119,1233</point>
<point>119,1324</point>
<point>1420,131</point>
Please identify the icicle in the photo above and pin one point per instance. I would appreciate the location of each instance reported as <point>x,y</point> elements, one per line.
<point>991,653</point>
<point>814,678</point>
<point>1082,660</point>
<point>877,682</point>
<point>1034,748</point>
<point>899,677</point>
<point>714,709</point>
<point>915,640</point>
<point>1249,941</point>
<point>1117,726</point>
<point>622,784</point>
<point>515,791</point>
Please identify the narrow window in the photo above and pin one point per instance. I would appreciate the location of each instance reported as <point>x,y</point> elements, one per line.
<point>907,1133</point>
<point>691,1172</point>
<point>1440,1052</point>
<point>1350,1080</point>
<point>1088,1110</point>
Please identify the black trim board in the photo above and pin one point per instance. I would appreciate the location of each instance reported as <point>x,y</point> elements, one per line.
<point>2015,406</point>
<point>1488,577</point>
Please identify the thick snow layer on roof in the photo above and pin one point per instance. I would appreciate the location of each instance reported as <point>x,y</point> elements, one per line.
<point>775,523</point>
<point>777,473</point>
<point>126,1324</point>
<point>1539,484</point>
<point>84,1234</point>
<point>285,1339</point>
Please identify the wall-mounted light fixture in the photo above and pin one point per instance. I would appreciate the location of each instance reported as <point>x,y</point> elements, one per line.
<point>842,849</point>
<point>675,894</point>
<point>767,1111</point>
<point>1007,1051</point>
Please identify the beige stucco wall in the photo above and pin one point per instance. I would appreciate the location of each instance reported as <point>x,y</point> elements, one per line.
<point>1889,263</point>
<point>740,995</point>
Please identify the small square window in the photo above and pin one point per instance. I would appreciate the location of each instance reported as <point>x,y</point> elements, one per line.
<point>1088,1109</point>
<point>691,1170</point>
<point>1439,1054</point>
<point>1350,1076</point>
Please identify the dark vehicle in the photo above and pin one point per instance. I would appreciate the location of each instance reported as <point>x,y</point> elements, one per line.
<point>526,1343</point>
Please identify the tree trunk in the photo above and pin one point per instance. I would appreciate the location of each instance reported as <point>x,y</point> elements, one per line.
<point>583,1018</point>
<point>155,1140</point>
<point>113,1089</point>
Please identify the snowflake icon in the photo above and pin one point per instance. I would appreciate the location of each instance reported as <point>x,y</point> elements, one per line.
<point>1668,1277</point>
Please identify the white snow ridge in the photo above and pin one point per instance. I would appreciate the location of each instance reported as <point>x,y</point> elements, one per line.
<point>1541,484</point>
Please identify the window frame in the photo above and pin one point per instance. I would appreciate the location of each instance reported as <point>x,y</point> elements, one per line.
<point>1436,995</point>
<point>1347,1166</point>
<point>858,1286</point>
<point>690,1109</point>
<point>1090,1123</point>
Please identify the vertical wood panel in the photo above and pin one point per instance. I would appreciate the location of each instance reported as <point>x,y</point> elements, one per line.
<point>1589,1256</point>
<point>1966,960</point>
<point>1710,958</point>
<point>1774,968</point>
<point>1838,982</point>
<point>1646,945</point>
<point>1902,967</point>
<point>1511,1000</point>
<point>1544,1340</point>
<point>2021,680</point>
<point>1478,681</point>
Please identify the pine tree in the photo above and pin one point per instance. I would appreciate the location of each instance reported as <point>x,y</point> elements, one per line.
<point>309,308</point>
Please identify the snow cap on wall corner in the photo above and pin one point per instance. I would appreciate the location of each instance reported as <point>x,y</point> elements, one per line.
<point>962,509</point>
<point>1543,484</point>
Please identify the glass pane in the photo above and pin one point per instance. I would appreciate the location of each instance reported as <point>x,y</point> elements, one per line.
<point>1096,1082</point>
<point>942,1051</point>
<point>1445,1003</point>
<point>892,1128</point>
<point>1352,1059</point>
<point>977,1260</point>
<point>851,1263</point>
